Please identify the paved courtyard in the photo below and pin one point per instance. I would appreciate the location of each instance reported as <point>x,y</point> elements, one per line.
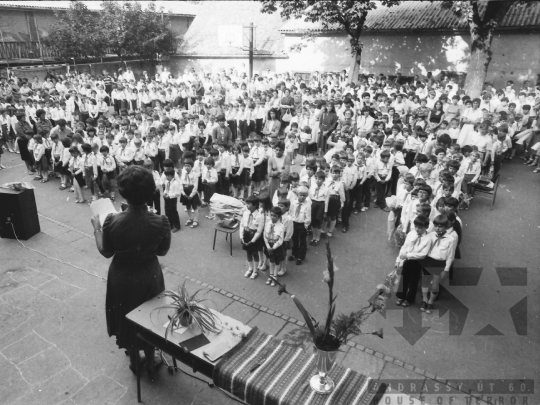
<point>54,347</point>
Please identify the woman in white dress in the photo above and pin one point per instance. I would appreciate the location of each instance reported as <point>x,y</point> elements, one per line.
<point>314,121</point>
<point>469,119</point>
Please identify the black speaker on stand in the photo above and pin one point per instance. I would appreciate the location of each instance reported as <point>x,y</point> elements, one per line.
<point>18,208</point>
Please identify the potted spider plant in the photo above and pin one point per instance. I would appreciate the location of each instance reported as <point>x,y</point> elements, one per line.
<point>336,330</point>
<point>189,311</point>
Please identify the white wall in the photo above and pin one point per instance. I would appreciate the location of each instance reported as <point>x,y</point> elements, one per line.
<point>178,64</point>
<point>515,55</point>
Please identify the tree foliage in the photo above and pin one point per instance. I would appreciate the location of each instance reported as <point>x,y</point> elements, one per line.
<point>74,34</point>
<point>348,16</point>
<point>343,15</point>
<point>482,16</point>
<point>133,31</point>
<point>125,29</point>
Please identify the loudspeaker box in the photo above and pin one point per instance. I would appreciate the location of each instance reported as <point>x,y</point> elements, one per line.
<point>18,208</point>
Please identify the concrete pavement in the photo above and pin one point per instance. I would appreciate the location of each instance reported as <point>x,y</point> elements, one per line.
<point>58,309</point>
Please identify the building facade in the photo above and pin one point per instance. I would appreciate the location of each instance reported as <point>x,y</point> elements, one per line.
<point>417,37</point>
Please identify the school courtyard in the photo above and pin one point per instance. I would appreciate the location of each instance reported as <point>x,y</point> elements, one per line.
<point>54,347</point>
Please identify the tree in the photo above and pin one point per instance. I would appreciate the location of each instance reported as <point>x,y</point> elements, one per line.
<point>132,31</point>
<point>483,18</point>
<point>346,15</point>
<point>125,29</point>
<point>74,34</point>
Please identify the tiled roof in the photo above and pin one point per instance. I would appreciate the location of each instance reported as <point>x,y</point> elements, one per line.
<point>423,15</point>
<point>204,38</point>
<point>188,9</point>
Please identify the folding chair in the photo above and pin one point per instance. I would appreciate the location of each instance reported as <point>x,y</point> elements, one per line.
<point>491,193</point>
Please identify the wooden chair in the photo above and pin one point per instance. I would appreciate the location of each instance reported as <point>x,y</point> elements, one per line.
<point>487,192</point>
<point>228,234</point>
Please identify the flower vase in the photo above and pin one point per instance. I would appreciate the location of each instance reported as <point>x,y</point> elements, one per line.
<point>321,382</point>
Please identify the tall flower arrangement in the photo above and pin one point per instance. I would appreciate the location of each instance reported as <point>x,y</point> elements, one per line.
<point>338,329</point>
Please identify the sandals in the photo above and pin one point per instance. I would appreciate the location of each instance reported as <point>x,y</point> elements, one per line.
<point>248,273</point>
<point>195,224</point>
<point>268,281</point>
<point>399,301</point>
<point>44,181</point>
<point>272,284</point>
<point>62,187</point>
<point>405,303</point>
<point>38,178</point>
<point>254,275</point>
<point>537,170</point>
<point>189,222</point>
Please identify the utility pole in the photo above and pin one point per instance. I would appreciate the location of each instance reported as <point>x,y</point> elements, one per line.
<point>250,50</point>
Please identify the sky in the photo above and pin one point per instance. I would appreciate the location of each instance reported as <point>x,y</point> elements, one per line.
<point>181,7</point>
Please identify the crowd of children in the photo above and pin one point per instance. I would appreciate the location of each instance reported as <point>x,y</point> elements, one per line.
<point>303,154</point>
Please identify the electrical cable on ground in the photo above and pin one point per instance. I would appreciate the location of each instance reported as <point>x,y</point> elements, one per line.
<point>55,259</point>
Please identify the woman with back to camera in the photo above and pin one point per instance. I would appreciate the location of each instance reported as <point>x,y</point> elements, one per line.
<point>135,238</point>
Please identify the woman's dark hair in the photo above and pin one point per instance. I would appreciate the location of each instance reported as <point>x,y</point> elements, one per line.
<point>275,111</point>
<point>136,184</point>
<point>86,147</point>
<point>265,201</point>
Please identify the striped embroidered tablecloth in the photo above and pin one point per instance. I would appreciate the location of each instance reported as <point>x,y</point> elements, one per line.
<point>283,376</point>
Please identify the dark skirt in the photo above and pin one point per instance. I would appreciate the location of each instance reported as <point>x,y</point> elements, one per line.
<point>130,284</point>
<point>334,205</point>
<point>209,190</point>
<point>303,148</point>
<point>245,178</point>
<point>264,168</point>
<point>312,148</point>
<point>257,246</point>
<point>317,214</point>
<point>48,156</point>
<point>234,179</point>
<point>23,149</point>
<point>58,166</point>
<point>192,203</point>
<point>80,179</point>
<point>258,174</point>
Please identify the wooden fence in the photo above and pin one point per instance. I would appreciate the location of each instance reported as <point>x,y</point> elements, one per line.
<point>25,50</point>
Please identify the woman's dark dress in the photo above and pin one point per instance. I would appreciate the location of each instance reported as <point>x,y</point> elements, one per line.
<point>135,276</point>
<point>328,121</point>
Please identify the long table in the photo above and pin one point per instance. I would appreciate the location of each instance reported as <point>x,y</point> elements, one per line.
<point>258,368</point>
